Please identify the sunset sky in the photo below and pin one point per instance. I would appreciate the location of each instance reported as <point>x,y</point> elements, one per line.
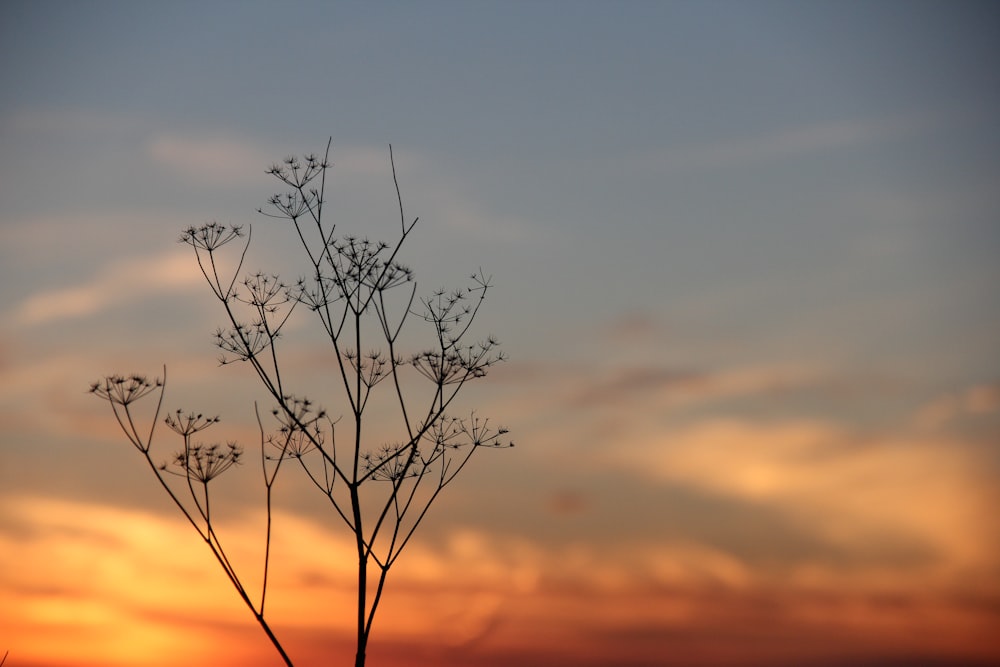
<point>746,259</point>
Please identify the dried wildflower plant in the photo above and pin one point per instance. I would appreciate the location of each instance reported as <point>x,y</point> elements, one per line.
<point>380,491</point>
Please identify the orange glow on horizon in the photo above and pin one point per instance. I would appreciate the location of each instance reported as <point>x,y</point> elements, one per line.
<point>135,588</point>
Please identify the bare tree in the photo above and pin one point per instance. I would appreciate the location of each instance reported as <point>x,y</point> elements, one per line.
<point>362,297</point>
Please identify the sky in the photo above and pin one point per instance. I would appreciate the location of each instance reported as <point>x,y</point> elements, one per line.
<point>745,272</point>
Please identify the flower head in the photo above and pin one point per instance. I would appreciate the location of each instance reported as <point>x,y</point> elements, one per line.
<point>188,424</point>
<point>210,236</point>
<point>123,390</point>
<point>205,462</point>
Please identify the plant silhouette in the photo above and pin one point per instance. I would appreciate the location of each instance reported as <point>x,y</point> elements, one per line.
<point>362,298</point>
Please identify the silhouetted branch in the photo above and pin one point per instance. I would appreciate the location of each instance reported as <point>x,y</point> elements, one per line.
<point>381,491</point>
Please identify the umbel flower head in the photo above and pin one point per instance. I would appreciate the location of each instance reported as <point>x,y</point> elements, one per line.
<point>210,236</point>
<point>205,462</point>
<point>188,424</point>
<point>300,429</point>
<point>123,390</point>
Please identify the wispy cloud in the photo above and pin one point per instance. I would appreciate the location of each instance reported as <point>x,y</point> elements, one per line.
<point>850,489</point>
<point>80,568</point>
<point>360,176</point>
<point>212,160</point>
<point>120,282</point>
<point>219,159</point>
<point>980,399</point>
<point>461,214</point>
<point>441,197</point>
<point>789,142</point>
<point>658,386</point>
<point>633,327</point>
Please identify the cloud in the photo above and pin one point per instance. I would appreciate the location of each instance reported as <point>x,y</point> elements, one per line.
<point>76,568</point>
<point>360,179</point>
<point>460,213</point>
<point>118,283</point>
<point>663,385</point>
<point>632,328</point>
<point>852,491</point>
<point>450,203</point>
<point>982,399</point>
<point>789,142</point>
<point>125,584</point>
<point>214,159</point>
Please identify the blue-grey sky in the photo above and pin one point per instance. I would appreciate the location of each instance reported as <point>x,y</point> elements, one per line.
<point>745,257</point>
